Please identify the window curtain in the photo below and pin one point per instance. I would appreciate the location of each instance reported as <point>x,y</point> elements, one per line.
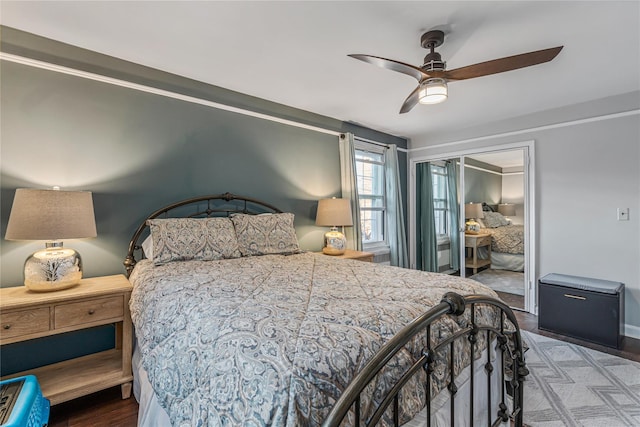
<point>397,235</point>
<point>426,240</point>
<point>350,189</point>
<point>454,215</point>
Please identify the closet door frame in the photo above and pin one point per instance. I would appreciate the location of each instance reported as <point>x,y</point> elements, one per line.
<point>530,270</point>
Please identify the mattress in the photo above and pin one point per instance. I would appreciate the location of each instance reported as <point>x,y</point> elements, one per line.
<point>272,340</point>
<point>503,261</point>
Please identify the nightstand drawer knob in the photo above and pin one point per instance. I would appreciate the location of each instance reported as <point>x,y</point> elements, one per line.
<point>7,327</point>
<point>91,311</point>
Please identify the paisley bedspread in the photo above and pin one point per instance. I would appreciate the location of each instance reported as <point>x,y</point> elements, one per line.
<point>507,239</point>
<point>273,340</point>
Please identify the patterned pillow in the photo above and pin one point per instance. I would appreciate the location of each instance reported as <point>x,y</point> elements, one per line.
<point>494,219</point>
<point>266,234</point>
<point>201,239</point>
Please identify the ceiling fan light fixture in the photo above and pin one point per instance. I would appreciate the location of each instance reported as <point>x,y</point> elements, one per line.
<point>433,91</point>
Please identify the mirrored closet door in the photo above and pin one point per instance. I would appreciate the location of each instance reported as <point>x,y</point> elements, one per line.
<point>471,218</point>
<point>495,182</point>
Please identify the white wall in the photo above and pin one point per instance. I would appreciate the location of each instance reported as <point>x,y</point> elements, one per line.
<point>584,170</point>
<point>513,192</point>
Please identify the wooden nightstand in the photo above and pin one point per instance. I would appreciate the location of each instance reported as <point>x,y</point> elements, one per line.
<point>473,242</point>
<point>26,315</point>
<point>358,255</point>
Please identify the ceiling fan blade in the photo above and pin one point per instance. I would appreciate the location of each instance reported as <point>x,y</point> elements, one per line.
<point>503,64</point>
<point>392,65</point>
<point>410,102</point>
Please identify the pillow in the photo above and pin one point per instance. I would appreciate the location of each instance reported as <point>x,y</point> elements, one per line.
<point>494,219</point>
<point>266,234</point>
<point>201,239</point>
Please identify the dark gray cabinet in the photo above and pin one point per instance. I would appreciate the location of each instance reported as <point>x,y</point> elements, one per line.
<point>581,307</point>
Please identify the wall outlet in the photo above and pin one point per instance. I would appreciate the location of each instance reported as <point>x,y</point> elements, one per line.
<point>623,214</point>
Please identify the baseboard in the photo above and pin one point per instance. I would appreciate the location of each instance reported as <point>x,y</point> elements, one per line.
<point>631,331</point>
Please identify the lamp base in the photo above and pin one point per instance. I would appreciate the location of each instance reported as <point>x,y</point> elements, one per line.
<point>52,269</point>
<point>472,227</point>
<point>335,243</point>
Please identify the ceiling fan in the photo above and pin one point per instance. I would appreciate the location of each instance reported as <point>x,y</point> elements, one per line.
<point>433,76</point>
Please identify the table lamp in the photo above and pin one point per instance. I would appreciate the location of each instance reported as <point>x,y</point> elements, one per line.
<point>334,213</point>
<point>51,215</point>
<point>472,211</point>
<point>507,210</point>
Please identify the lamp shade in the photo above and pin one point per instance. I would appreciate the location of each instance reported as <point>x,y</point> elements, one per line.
<point>473,210</point>
<point>433,91</point>
<point>51,215</point>
<point>334,213</point>
<point>507,209</point>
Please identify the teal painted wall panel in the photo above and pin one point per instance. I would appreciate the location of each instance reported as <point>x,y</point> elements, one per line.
<point>31,354</point>
<point>137,152</point>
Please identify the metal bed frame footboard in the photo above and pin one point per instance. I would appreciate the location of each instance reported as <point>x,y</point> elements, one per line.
<point>511,375</point>
<point>219,205</point>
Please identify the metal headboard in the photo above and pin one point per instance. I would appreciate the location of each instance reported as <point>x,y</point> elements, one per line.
<point>512,365</point>
<point>198,207</point>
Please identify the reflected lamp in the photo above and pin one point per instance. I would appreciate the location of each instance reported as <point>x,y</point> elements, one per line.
<point>472,211</point>
<point>51,215</point>
<point>334,213</point>
<point>507,210</point>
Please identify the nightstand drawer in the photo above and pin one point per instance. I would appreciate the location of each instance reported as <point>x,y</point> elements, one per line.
<point>24,322</point>
<point>484,241</point>
<point>480,240</point>
<point>89,311</point>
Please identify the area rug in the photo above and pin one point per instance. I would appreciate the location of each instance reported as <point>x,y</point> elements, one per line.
<point>570,385</point>
<point>501,280</point>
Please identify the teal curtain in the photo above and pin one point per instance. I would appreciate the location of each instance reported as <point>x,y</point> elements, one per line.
<point>397,235</point>
<point>426,240</point>
<point>453,214</point>
<point>350,189</point>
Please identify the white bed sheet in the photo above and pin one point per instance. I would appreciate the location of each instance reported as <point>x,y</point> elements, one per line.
<point>150,413</point>
<point>503,261</point>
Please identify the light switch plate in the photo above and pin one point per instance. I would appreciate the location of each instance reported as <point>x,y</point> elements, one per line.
<point>623,214</point>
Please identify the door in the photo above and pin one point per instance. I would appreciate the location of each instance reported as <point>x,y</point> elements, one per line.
<point>501,181</point>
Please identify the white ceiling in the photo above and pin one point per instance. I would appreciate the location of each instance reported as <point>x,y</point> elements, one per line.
<point>295,52</point>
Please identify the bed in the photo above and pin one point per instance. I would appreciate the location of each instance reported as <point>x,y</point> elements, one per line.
<point>241,327</point>
<point>507,241</point>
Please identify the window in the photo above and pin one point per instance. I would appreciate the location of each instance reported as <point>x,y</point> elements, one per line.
<point>371,193</point>
<point>440,204</point>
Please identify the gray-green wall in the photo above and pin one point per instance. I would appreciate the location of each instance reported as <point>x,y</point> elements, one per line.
<point>138,151</point>
<point>481,185</point>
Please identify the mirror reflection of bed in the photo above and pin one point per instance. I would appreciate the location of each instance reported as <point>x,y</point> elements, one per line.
<point>505,274</point>
<point>496,181</point>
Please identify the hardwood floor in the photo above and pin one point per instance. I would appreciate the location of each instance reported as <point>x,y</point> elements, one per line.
<point>102,409</point>
<point>512,300</point>
<point>107,409</point>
